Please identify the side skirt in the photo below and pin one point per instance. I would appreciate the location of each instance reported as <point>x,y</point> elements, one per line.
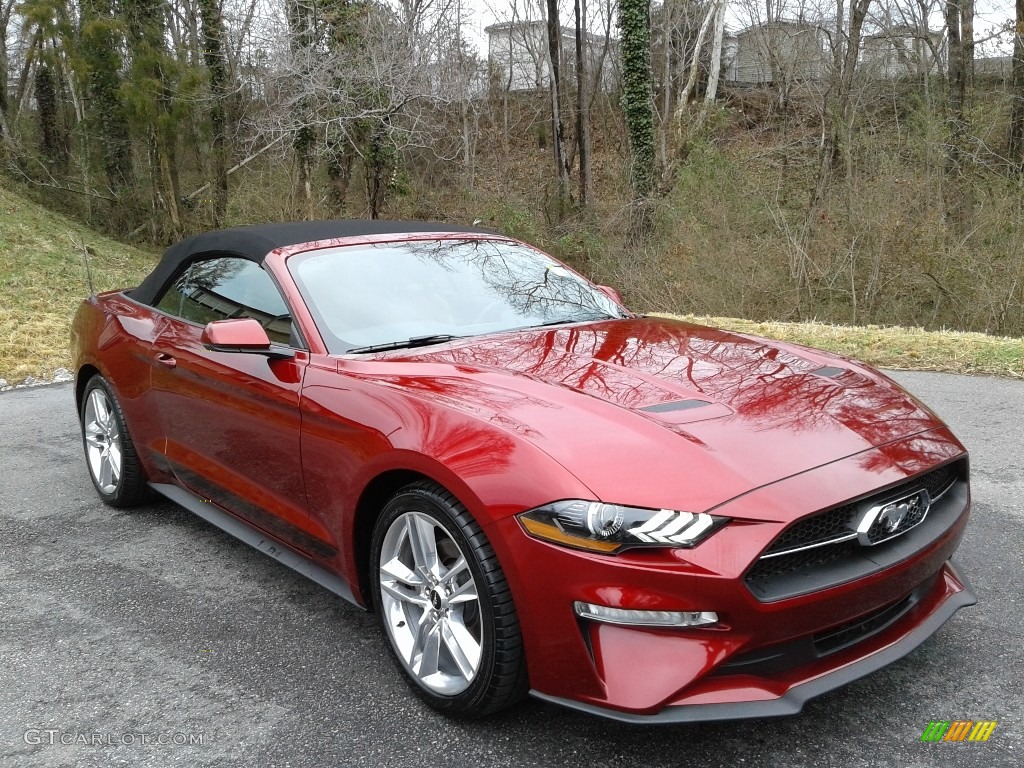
<point>257,539</point>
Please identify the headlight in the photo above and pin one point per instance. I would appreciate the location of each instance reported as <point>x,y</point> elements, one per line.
<point>609,528</point>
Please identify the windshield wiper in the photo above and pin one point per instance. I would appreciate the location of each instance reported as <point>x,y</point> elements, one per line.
<point>567,320</point>
<point>415,341</point>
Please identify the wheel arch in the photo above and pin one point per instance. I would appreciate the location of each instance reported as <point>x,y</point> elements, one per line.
<point>82,379</point>
<point>368,508</point>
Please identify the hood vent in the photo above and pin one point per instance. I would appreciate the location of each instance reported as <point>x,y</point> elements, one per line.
<point>830,371</point>
<point>675,405</point>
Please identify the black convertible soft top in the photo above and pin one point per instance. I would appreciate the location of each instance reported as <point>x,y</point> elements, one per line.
<point>256,241</point>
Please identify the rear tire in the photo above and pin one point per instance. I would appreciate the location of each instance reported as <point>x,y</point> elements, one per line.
<point>445,606</point>
<point>114,466</point>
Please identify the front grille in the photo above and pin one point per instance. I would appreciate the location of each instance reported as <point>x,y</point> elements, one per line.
<point>840,522</point>
<point>819,529</point>
<point>805,558</point>
<point>938,481</point>
<point>804,552</point>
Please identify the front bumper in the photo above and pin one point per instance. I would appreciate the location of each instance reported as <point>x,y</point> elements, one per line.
<point>773,698</point>
<point>763,657</point>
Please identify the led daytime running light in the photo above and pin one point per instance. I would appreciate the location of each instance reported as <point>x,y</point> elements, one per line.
<point>645,618</point>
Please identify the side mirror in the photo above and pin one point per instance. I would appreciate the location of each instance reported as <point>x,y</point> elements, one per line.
<point>612,294</point>
<point>241,335</point>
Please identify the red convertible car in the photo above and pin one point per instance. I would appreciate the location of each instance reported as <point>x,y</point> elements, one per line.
<point>536,490</point>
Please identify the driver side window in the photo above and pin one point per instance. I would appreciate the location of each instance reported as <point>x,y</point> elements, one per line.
<point>225,288</point>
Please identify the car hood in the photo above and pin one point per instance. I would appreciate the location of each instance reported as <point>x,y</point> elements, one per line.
<point>652,411</point>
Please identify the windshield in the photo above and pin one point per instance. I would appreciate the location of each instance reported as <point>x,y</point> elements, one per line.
<point>392,293</point>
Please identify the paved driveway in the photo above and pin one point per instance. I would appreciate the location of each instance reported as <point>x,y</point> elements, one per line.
<point>150,624</point>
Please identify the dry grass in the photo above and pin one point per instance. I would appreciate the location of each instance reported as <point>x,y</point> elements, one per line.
<point>909,349</point>
<point>42,281</point>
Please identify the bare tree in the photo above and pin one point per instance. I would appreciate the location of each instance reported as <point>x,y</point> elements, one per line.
<point>6,8</point>
<point>583,101</point>
<point>691,80</point>
<point>215,56</point>
<point>1015,144</point>
<point>364,96</point>
<point>718,36</point>
<point>554,28</point>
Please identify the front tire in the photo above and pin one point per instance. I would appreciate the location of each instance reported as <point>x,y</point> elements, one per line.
<point>114,466</point>
<point>444,604</point>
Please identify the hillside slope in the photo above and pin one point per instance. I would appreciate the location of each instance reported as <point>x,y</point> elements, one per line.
<point>42,280</point>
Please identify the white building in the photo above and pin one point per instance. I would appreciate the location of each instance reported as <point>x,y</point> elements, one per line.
<point>776,52</point>
<point>904,52</point>
<point>517,55</point>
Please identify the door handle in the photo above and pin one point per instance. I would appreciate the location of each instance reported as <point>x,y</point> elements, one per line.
<point>165,359</point>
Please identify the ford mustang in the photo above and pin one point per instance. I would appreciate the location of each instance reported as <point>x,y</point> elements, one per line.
<point>535,489</point>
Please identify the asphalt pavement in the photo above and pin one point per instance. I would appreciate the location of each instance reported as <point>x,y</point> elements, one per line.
<point>149,638</point>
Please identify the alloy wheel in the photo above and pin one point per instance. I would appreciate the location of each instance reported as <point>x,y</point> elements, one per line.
<point>431,606</point>
<point>103,445</point>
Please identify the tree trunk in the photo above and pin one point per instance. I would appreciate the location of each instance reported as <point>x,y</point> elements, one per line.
<point>100,46</point>
<point>5,18</point>
<point>301,40</point>
<point>339,174</point>
<point>215,57</point>
<point>667,81</point>
<point>470,121</point>
<point>557,125</point>
<point>21,94</point>
<point>152,89</point>
<point>716,54</point>
<point>52,144</point>
<point>583,102</point>
<point>5,134</point>
<point>967,40</point>
<point>691,81</point>
<point>843,127</point>
<point>957,84</point>
<point>638,108</point>
<point>1015,147</point>
<point>169,174</point>
<point>959,19</point>
<point>380,162</point>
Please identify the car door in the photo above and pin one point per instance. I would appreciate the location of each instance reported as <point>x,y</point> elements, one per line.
<point>231,420</point>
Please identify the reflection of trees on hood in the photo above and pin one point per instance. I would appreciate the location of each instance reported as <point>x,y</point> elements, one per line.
<point>769,386</point>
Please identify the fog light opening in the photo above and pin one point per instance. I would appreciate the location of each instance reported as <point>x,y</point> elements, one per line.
<point>645,618</point>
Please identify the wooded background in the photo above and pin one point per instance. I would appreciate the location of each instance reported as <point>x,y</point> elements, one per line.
<point>846,196</point>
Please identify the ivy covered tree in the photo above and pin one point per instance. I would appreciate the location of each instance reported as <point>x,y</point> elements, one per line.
<point>638,105</point>
<point>151,95</point>
<point>100,42</point>
<point>49,26</point>
<point>52,141</point>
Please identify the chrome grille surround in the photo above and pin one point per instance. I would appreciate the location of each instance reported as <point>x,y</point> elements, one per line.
<point>831,536</point>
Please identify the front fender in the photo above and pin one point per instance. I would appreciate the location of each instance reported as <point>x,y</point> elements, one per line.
<point>355,431</point>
